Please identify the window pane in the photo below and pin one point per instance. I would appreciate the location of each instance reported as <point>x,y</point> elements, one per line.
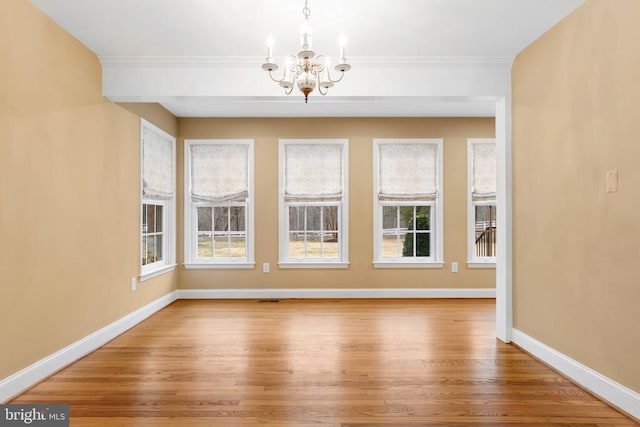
<point>485,231</point>
<point>313,218</point>
<point>330,245</point>
<point>330,218</point>
<point>423,217</point>
<point>144,250</point>
<point>144,218</point>
<point>221,247</point>
<point>406,217</point>
<point>238,246</point>
<point>221,218</point>
<point>296,218</point>
<point>159,217</point>
<point>314,245</point>
<point>151,218</point>
<point>237,218</point>
<point>423,244</point>
<point>205,246</point>
<point>483,216</point>
<point>151,250</point>
<point>159,248</point>
<point>390,244</point>
<point>204,219</point>
<point>389,217</point>
<point>407,244</point>
<point>296,245</point>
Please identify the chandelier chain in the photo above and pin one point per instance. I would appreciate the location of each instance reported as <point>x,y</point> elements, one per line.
<point>306,11</point>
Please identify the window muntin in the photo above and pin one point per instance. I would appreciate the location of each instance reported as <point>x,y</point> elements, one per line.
<point>481,155</point>
<point>222,232</point>
<point>157,219</point>
<point>153,233</point>
<point>313,207</point>
<point>219,228</point>
<point>484,230</point>
<point>314,232</point>
<point>406,231</point>
<point>408,202</point>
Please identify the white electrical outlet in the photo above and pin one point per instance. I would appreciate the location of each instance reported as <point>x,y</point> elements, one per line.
<point>134,284</point>
<point>265,267</point>
<point>454,267</point>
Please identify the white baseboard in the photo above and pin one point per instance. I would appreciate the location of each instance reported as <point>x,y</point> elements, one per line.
<point>335,293</point>
<point>604,387</point>
<point>33,374</point>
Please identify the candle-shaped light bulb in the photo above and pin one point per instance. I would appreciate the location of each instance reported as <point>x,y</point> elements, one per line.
<point>306,33</point>
<point>269,47</point>
<point>343,43</point>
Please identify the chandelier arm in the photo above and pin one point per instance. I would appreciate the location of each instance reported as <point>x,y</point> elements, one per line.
<point>284,74</point>
<point>332,80</point>
<point>288,92</point>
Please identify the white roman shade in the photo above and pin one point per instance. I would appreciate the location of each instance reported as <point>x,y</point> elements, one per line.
<point>219,172</point>
<point>484,171</point>
<point>313,172</point>
<point>157,164</point>
<point>408,171</point>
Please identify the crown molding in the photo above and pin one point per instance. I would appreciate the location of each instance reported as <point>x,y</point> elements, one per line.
<point>212,61</point>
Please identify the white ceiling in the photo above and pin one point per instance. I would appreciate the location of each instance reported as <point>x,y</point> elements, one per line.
<point>378,31</point>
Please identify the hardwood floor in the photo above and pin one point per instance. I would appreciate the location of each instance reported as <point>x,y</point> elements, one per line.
<point>310,362</point>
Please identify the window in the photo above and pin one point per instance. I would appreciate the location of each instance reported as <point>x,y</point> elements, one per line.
<point>481,166</point>
<point>407,203</point>
<point>219,204</point>
<point>158,201</point>
<point>313,208</point>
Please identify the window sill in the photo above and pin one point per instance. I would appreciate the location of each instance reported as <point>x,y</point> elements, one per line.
<point>157,272</point>
<point>379,264</point>
<point>480,264</point>
<point>293,264</point>
<point>218,265</point>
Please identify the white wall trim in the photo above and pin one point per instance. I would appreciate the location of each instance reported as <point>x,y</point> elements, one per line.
<point>156,273</point>
<point>33,374</point>
<point>504,239</point>
<point>335,293</point>
<point>605,388</point>
<point>235,61</point>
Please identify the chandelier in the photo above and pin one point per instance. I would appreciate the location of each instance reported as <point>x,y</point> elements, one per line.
<point>306,70</point>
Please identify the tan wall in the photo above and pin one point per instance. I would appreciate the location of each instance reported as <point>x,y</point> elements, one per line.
<point>576,115</point>
<point>69,193</point>
<point>153,113</point>
<point>360,133</point>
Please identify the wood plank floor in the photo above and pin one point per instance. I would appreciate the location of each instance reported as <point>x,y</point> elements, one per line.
<point>309,362</point>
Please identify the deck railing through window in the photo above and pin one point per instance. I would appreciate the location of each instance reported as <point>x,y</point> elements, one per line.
<point>485,238</point>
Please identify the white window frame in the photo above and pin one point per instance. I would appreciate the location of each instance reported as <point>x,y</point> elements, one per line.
<point>436,219</point>
<point>191,260</point>
<point>472,260</point>
<point>343,211</point>
<point>169,212</point>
